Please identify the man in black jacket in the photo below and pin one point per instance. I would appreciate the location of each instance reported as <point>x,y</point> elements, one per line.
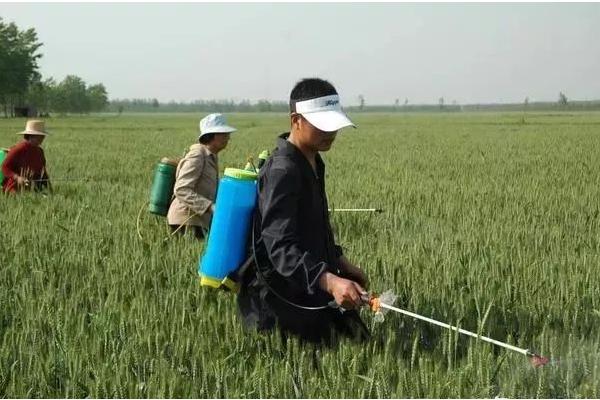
<point>300,271</point>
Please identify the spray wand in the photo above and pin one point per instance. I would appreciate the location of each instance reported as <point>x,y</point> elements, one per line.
<point>76,179</point>
<point>376,305</point>
<point>374,210</point>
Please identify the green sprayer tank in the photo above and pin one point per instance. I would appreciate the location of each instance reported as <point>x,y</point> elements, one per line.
<point>3,153</point>
<point>162,186</point>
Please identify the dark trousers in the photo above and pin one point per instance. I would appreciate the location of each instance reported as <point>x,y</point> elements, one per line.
<point>260,310</point>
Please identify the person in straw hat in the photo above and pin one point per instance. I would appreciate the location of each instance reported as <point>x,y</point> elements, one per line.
<point>25,165</point>
<point>197,176</point>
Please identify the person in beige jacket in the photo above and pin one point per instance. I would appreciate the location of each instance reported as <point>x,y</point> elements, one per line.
<point>197,177</point>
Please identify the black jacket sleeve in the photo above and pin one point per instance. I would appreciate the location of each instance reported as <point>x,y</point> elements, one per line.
<point>278,206</point>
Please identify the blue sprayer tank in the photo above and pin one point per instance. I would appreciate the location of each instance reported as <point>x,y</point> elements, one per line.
<point>229,231</point>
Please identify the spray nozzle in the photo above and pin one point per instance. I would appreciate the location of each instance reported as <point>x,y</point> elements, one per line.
<point>537,360</point>
<point>375,301</point>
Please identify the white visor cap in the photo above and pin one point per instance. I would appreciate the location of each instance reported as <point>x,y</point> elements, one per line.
<point>324,113</point>
<point>214,123</point>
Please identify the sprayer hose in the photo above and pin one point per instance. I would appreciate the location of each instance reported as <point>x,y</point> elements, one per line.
<point>139,216</point>
<point>279,296</point>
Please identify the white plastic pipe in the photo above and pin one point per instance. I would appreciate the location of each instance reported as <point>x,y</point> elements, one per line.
<point>355,210</point>
<point>459,330</point>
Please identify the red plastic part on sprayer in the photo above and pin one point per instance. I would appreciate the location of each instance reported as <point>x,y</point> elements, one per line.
<point>538,361</point>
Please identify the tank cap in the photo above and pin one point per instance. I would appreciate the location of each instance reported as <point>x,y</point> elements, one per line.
<point>169,161</point>
<point>240,174</point>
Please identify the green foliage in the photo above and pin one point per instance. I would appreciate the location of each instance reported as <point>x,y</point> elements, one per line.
<point>18,63</point>
<point>71,96</point>
<point>98,97</point>
<point>480,211</point>
<point>22,85</point>
<point>40,94</point>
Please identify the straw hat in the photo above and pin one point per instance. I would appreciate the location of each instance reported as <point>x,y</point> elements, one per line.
<point>34,127</point>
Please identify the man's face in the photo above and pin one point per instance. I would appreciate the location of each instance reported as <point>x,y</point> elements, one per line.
<point>37,140</point>
<point>313,137</point>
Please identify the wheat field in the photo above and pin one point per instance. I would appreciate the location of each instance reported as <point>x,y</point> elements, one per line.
<point>490,222</point>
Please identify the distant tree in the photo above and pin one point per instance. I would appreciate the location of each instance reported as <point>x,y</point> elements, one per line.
<point>120,109</point>
<point>406,101</point>
<point>441,103</point>
<point>97,97</point>
<point>396,103</point>
<point>562,99</point>
<point>526,102</point>
<point>264,105</point>
<point>71,96</point>
<point>40,94</point>
<point>59,99</point>
<point>244,106</point>
<point>18,64</point>
<point>155,103</point>
<point>361,100</point>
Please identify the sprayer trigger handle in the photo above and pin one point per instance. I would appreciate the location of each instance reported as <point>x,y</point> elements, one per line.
<point>335,305</point>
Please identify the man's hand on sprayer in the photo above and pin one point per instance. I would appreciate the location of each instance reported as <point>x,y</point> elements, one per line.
<point>353,272</point>
<point>346,293</point>
<point>21,181</point>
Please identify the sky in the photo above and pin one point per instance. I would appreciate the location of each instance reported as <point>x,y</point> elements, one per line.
<point>463,52</point>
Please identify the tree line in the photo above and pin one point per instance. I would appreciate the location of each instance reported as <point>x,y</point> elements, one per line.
<point>207,106</point>
<point>23,88</point>
<point>154,105</point>
<point>71,95</point>
<point>223,106</point>
<point>563,104</point>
